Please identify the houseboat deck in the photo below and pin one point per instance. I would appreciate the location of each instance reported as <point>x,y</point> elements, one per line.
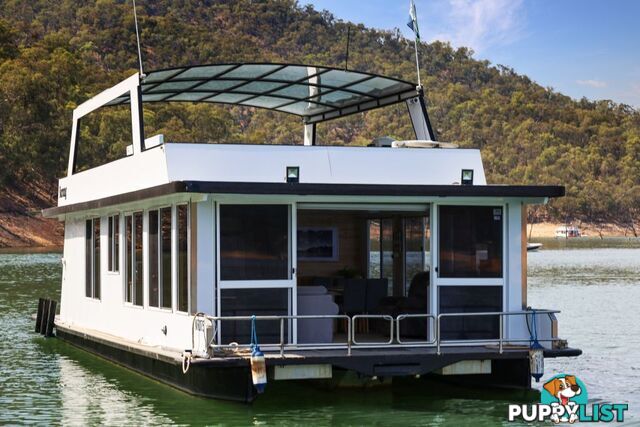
<point>368,363</point>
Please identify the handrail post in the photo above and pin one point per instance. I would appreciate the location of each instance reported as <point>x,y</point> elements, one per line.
<point>438,334</point>
<point>501,333</point>
<point>282,337</point>
<point>349,335</point>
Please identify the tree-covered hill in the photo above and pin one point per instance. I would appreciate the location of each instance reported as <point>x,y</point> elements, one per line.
<point>54,54</point>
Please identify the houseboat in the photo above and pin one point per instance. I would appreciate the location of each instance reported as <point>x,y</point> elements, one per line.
<point>567,231</point>
<point>344,265</point>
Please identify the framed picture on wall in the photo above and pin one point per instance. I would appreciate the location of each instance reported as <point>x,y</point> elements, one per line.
<point>318,244</point>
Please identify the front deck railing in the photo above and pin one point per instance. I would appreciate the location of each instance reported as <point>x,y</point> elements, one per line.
<point>394,340</point>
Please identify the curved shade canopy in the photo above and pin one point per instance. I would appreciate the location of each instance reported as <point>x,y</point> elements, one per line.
<point>314,93</point>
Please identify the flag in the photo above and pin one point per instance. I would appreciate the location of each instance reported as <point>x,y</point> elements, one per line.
<point>413,20</point>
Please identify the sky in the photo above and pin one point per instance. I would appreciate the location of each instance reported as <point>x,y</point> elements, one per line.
<point>581,48</point>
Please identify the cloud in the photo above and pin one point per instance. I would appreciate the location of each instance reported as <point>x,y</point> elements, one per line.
<point>598,84</point>
<point>479,24</point>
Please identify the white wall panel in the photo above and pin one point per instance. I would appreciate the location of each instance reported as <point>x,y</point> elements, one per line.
<point>321,164</point>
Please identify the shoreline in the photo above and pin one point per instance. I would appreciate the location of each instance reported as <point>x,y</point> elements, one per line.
<point>548,230</point>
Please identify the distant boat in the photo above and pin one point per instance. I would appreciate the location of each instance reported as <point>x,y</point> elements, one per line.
<point>532,247</point>
<point>567,231</point>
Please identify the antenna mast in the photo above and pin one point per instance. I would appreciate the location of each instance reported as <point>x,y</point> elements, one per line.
<point>135,18</point>
<point>346,59</point>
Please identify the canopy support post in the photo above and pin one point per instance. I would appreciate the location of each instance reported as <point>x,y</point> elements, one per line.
<point>419,117</point>
<point>310,134</point>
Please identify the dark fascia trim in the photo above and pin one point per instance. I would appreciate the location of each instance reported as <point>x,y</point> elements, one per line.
<point>300,189</point>
<point>147,193</point>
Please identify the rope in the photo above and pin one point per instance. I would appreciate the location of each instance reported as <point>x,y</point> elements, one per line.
<point>533,336</point>
<point>254,335</point>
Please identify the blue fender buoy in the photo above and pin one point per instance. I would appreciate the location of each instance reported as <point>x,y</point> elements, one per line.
<point>536,353</point>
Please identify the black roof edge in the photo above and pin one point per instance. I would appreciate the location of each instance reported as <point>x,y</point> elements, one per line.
<point>276,188</point>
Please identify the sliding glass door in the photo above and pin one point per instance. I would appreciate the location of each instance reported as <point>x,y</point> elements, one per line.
<point>399,250</point>
<point>256,273</point>
<point>470,269</point>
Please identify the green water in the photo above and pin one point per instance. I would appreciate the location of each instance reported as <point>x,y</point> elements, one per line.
<point>45,381</point>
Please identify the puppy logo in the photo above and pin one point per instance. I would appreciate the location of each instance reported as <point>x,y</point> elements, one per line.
<point>564,399</point>
<point>564,393</point>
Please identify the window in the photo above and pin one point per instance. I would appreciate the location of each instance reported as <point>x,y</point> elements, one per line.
<point>416,247</point>
<point>92,258</point>
<point>375,254</point>
<point>470,299</point>
<point>165,266</point>
<point>381,250</point>
<point>182,225</point>
<point>133,264</point>
<point>154,260</point>
<point>114,244</point>
<point>398,249</point>
<point>254,242</point>
<point>471,241</point>
<point>160,258</point>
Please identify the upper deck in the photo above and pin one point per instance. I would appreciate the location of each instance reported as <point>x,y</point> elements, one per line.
<point>315,94</point>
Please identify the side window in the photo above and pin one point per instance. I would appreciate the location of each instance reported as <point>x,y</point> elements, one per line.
<point>182,224</point>
<point>114,244</point>
<point>160,294</point>
<point>160,243</point>
<point>165,248</point>
<point>92,258</point>
<point>133,255</point>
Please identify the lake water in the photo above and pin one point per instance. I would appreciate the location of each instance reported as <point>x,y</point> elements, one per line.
<point>46,381</point>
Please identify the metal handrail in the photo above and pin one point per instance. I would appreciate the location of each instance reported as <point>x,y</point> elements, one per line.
<point>500,314</point>
<point>282,345</point>
<point>431,332</point>
<point>373,316</point>
<point>351,338</point>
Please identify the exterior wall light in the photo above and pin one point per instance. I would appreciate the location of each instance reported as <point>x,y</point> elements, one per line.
<point>293,174</point>
<point>467,177</point>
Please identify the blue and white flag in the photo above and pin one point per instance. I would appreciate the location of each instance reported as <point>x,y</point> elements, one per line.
<point>413,20</point>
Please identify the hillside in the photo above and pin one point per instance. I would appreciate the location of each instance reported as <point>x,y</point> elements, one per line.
<point>54,54</point>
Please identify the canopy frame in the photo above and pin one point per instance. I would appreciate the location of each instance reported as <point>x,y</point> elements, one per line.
<point>365,91</point>
<point>179,85</point>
